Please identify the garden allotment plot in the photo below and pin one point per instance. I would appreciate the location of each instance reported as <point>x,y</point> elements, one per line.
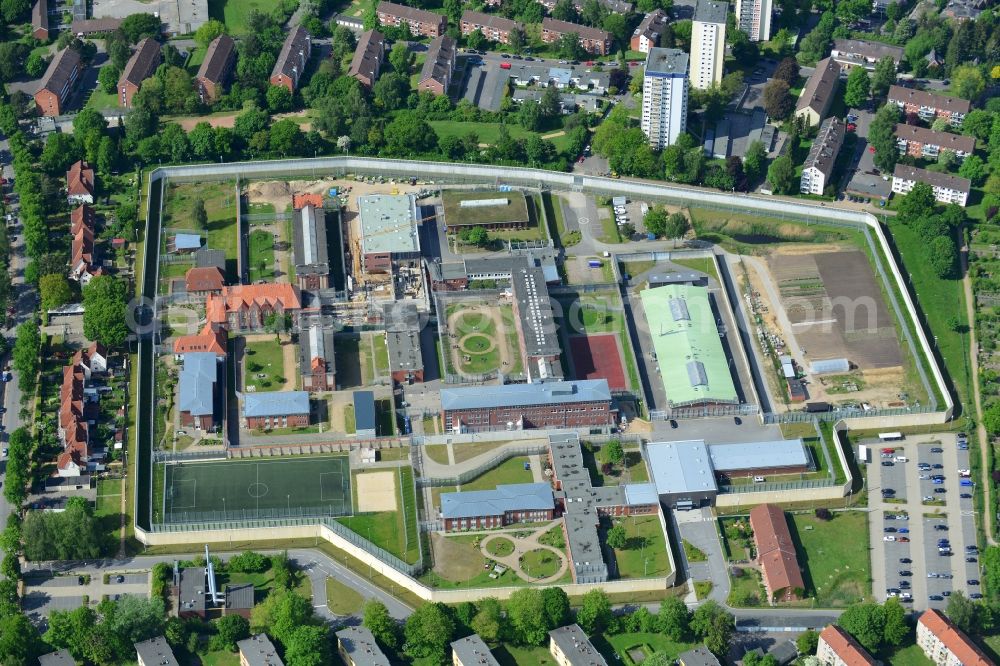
<point>205,491</point>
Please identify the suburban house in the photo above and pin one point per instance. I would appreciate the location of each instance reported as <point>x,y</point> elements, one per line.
<point>357,647</point>
<point>927,105</point>
<point>422,23</point>
<point>249,306</point>
<point>58,83</point>
<point>92,360</point>
<point>776,554</point>
<point>292,59</point>
<point>928,144</point>
<point>317,363</point>
<point>436,74</point>
<point>592,40</point>
<point>77,412</point>
<point>838,648</point>
<point>850,53</point>
<point>40,20</point>
<point>139,67</point>
<point>57,658</point>
<point>945,644</point>
<point>472,651</point>
<point>275,409</point>
<point>215,69</point>
<point>819,91</point>
<point>648,32</point>
<point>504,505</point>
<point>204,281</point>
<point>80,183</point>
<point>947,188</point>
<point>309,242</point>
<point>81,264</point>
<point>210,339</point>
<point>368,58</point>
<point>569,646</point>
<point>818,167</point>
<point>258,650</point>
<point>197,397</point>
<point>495,28</point>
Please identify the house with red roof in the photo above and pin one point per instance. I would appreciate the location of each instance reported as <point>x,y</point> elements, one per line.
<point>249,306</point>
<point>204,280</point>
<point>80,183</point>
<point>210,339</point>
<point>838,648</point>
<point>776,554</point>
<point>947,645</point>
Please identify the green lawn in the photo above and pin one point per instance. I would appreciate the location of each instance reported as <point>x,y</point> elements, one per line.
<point>389,529</point>
<point>221,658</point>
<point>381,355</point>
<point>265,366</point>
<point>196,58</point>
<point>100,100</point>
<point>911,655</point>
<point>746,590</point>
<point>341,599</point>
<point>350,425</point>
<point>540,563</point>
<point>702,264</point>
<point>234,13</point>
<point>645,552</point>
<point>835,556</point>
<point>220,208</point>
<point>512,471</point>
<point>650,644</point>
<point>261,256</point>
<point>109,493</point>
<point>693,553</point>
<point>489,132</point>
<point>516,655</point>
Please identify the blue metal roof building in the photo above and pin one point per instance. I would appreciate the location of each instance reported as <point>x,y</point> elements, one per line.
<point>364,413</point>
<point>275,403</point>
<point>497,502</point>
<point>518,395</point>
<point>187,242</point>
<point>196,385</point>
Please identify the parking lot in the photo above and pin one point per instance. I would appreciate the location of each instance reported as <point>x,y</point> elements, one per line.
<point>920,525</point>
<point>44,593</point>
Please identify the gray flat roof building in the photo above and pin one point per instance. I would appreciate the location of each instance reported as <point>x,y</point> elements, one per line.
<point>472,651</point>
<point>309,241</point>
<point>389,224</point>
<point>666,61</point>
<point>682,472</point>
<point>239,597</point>
<point>571,647</point>
<point>364,413</point>
<point>58,658</point>
<point>197,382</point>
<point>404,351</point>
<point>316,341</point>
<point>155,652</point>
<point>502,499</point>
<point>275,403</point>
<point>258,651</point>
<point>357,647</point>
<point>699,656</point>
<point>191,591</point>
<point>758,455</point>
<point>710,11</point>
<point>534,310</point>
<point>513,395</point>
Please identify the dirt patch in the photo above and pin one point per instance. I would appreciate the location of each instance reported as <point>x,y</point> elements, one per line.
<point>376,491</point>
<point>455,561</point>
<point>188,124</point>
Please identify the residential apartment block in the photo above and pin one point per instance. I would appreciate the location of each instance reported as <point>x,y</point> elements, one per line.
<point>368,58</point>
<point>664,96</point>
<point>495,28</point>
<point>754,18</point>
<point>258,650</point>
<point>292,59</point>
<point>947,188</point>
<point>357,647</point>
<point>838,648</point>
<point>928,144</point>
<point>592,40</point>
<point>139,67</point>
<point>40,20</point>
<point>435,77</point>
<point>421,22</point>
<point>569,646</point>
<point>818,167</point>
<point>708,43</point>
<point>819,91</point>
<point>155,652</point>
<point>647,33</point>
<point>928,105</point>
<point>58,83</point>
<point>863,53</point>
<point>472,651</point>
<point>945,644</point>
<point>213,75</point>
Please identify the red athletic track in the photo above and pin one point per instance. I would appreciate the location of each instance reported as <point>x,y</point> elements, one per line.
<point>597,357</point>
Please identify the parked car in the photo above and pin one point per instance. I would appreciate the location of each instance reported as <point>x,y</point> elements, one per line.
<point>940,491</point>
<point>887,463</point>
<point>889,529</point>
<point>888,538</point>
<point>903,530</point>
<point>905,560</point>
<point>941,527</point>
<point>972,581</point>
<point>937,449</point>
<point>904,539</point>
<point>966,496</point>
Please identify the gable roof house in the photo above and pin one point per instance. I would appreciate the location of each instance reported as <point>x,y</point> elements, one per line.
<point>80,183</point>
<point>40,20</point>
<point>819,91</point>
<point>58,83</point>
<point>647,33</point>
<point>139,67</point>
<point>421,22</point>
<point>213,75</point>
<point>776,553</point>
<point>197,397</point>
<point>211,339</point>
<point>368,58</point>
<point>204,281</point>
<point>292,59</point>
<point>945,644</point>
<point>81,264</point>
<point>436,74</point>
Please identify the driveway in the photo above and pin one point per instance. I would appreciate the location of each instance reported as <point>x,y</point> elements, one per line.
<point>697,527</point>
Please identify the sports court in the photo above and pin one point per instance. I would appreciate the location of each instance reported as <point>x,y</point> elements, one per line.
<point>256,489</point>
<point>598,357</point>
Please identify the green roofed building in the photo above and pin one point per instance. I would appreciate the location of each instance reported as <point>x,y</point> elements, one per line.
<point>693,364</point>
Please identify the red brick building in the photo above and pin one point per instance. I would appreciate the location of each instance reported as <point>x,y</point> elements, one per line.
<point>504,505</point>
<point>776,554</point>
<point>202,281</point>
<point>215,70</point>
<point>208,340</point>
<point>592,40</point>
<point>58,83</point>
<point>292,59</point>
<point>494,28</point>
<point>924,143</point>
<point>928,105</point>
<point>82,245</point>
<point>275,409</point>
<point>140,67</point>
<point>421,22</point>
<point>248,306</point>
<point>40,20</point>
<point>647,33</point>
<point>435,77</point>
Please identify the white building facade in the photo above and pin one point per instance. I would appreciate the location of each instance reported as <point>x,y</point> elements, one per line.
<point>754,18</point>
<point>664,96</point>
<point>708,43</point>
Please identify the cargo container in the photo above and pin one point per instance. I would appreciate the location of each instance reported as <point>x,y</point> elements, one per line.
<point>594,263</point>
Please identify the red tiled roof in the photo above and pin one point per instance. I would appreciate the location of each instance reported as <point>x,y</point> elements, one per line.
<point>967,652</point>
<point>248,295</point>
<point>208,340</point>
<point>775,549</point>
<point>300,201</point>
<point>80,217</point>
<point>207,278</point>
<point>848,649</point>
<point>80,179</point>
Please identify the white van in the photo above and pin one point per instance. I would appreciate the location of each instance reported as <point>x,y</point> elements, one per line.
<point>759,479</point>
<point>901,459</point>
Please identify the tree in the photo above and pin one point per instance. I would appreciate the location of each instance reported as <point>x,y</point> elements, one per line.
<point>286,137</point>
<point>138,26</point>
<point>714,625</point>
<point>27,345</point>
<point>963,611</point>
<point>991,420</point>
<point>615,452</point>
<point>754,160</point>
<point>14,10</point>
<point>974,169</point>
<point>60,151</point>
<point>858,87</point>
<point>942,256</point>
<point>249,562</point>
<point>208,31</point>
<point>104,302</point>
<point>19,642</point>
<point>781,175</point>
<point>968,82</point>
<point>595,613</point>
<point>557,609</point>
<point>279,99</point>
<point>866,623</point>
<point>655,221</point>
<point>35,65</point>
<point>882,138</point>
<point>376,618</point>
<point>788,71</point>
<point>409,133</point>
<point>674,618</point>
<point>916,204</point>
<point>401,59</point>
<point>307,646</point>
<point>883,76</point>
<point>568,46</point>
<point>807,642</point>
<point>550,104</point>
<point>428,631</point>
<point>228,630</point>
<point>477,236</point>
<point>895,629</point>
<point>616,537</point>
<point>55,291</point>
<point>527,617</point>
<point>488,621</point>
<point>529,115</point>
<point>778,102</point>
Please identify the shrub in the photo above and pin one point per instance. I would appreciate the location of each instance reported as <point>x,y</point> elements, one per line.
<point>249,562</point>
